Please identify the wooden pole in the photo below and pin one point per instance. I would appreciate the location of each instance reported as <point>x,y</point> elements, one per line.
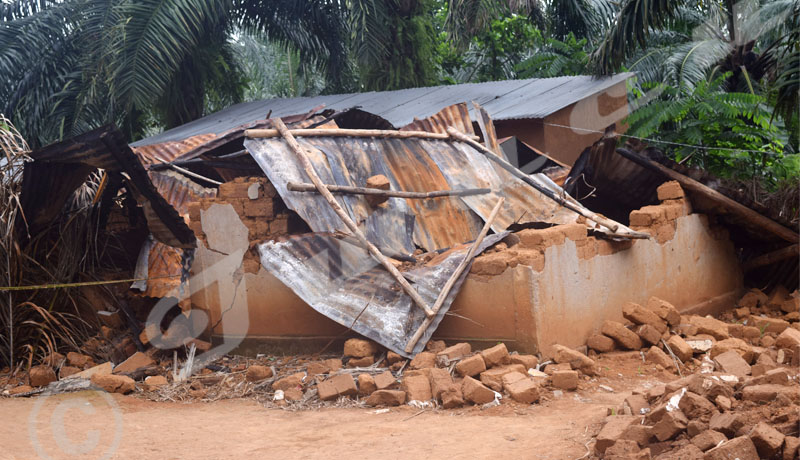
<point>732,206</point>
<point>302,187</point>
<point>608,223</point>
<point>772,257</point>
<point>323,190</point>
<point>454,277</point>
<point>327,132</point>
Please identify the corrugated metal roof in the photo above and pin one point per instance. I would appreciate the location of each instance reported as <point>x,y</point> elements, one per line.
<point>510,99</point>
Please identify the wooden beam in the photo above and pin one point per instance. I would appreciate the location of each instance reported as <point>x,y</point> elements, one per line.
<point>772,257</point>
<point>608,223</point>
<point>730,205</point>
<point>303,187</point>
<point>265,133</point>
<point>323,190</point>
<point>454,277</point>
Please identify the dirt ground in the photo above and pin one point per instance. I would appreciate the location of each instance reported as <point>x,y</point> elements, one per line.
<point>558,428</point>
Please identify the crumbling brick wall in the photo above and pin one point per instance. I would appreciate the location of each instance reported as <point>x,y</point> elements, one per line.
<point>259,207</point>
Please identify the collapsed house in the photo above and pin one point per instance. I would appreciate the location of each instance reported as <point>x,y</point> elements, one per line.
<point>252,249</point>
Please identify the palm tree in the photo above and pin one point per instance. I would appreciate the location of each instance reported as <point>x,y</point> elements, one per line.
<point>71,65</point>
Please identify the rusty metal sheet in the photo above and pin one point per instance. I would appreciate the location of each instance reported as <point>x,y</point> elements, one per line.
<point>456,115</point>
<point>170,151</point>
<point>438,224</point>
<point>339,279</point>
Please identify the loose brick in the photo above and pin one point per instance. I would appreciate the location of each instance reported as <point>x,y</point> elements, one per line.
<point>366,384</point>
<point>393,357</point>
<point>788,339</point>
<point>453,353</point>
<point>417,387</point>
<point>601,343</point>
<point>710,326</point>
<point>740,448</point>
<point>726,423</point>
<point>379,182</point>
<point>656,356</point>
<point>387,398</point>
<point>452,397</point>
<point>513,377</point>
<point>114,383</point>
<point>664,310</point>
<point>423,360</point>
<point>527,361</point>
<point>732,363</point>
<point>738,345</point>
<point>471,366</point>
<point>440,381</point>
<point>765,393</point>
<point>334,387</point>
<point>767,324</point>
<point>435,346</point>
<point>790,447</point>
<point>637,404</point>
<point>359,348</point>
<point>670,425</point>
<point>576,359</point>
<point>496,356</point>
<point>670,191</point>
<point>637,314</point>
<point>613,429</point>
<point>361,362</point>
<point>475,392</point>
<point>525,391</point>
<point>294,380</point>
<point>768,440</point>
<point>40,376</point>
<point>695,406</point>
<point>622,335</point>
<point>641,434</point>
<point>680,348</point>
<point>648,334</point>
<point>493,378</point>
<point>708,439</point>
<point>565,380</point>
<point>256,373</point>
<point>385,380</point>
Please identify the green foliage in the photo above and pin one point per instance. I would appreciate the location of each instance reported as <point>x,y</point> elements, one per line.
<point>556,58</point>
<point>736,133</point>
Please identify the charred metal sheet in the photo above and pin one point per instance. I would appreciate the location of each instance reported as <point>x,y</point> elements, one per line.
<point>456,115</point>
<point>438,223</point>
<point>342,281</point>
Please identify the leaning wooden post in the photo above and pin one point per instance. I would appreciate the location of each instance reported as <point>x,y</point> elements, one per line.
<point>608,223</point>
<point>454,277</point>
<point>323,190</point>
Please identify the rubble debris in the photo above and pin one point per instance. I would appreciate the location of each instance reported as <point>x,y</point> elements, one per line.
<point>114,383</point>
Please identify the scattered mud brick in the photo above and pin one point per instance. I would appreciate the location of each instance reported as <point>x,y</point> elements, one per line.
<point>39,376</point>
<point>738,345</point>
<point>576,359</point>
<point>687,452</point>
<point>293,394</point>
<point>613,429</point>
<point>670,425</point>
<point>475,392</point>
<point>790,447</point>
<point>453,353</point>
<point>741,312</point>
<point>360,348</point>
<point>622,335</point>
<point>154,381</point>
<point>708,439</point>
<point>637,314</point>
<point>440,381</point>
<point>78,360</point>
<point>768,440</point>
<point>655,392</point>
<point>724,403</point>
<point>339,385</point>
<point>680,348</point>
<point>726,423</point>
<point>493,378</point>
<point>625,449</point>
<point>711,326</point>
<point>740,448</point>
<point>648,334</point>
<point>66,371</point>
<point>754,298</point>
<point>135,362</point>
<point>361,362</point>
<point>496,355</point>
<point>417,387</point>
<point>767,324</point>
<point>565,380</point>
<point>765,393</point>
<point>601,343</point>
<point>665,310</point>
<point>779,376</point>
<point>791,305</point>
<point>767,341</point>
<point>550,368</point>
<point>527,361</point>
<point>695,427</point>
<point>256,373</point>
<point>114,383</point>
<point>423,360</point>
<point>435,346</point>
<point>513,377</point>
<point>393,357</point>
<point>695,406</point>
<point>366,384</point>
<point>656,356</point>
<point>54,359</point>
<point>789,339</point>
<point>333,364</point>
<point>641,434</point>
<point>387,398</point>
<point>637,404</point>
<point>317,368</point>
<point>294,380</point>
<point>525,391</point>
<point>750,333</point>
<point>100,369</point>
<point>385,380</point>
<point>471,366</point>
<point>452,397</point>
<point>22,389</point>
<point>732,363</point>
